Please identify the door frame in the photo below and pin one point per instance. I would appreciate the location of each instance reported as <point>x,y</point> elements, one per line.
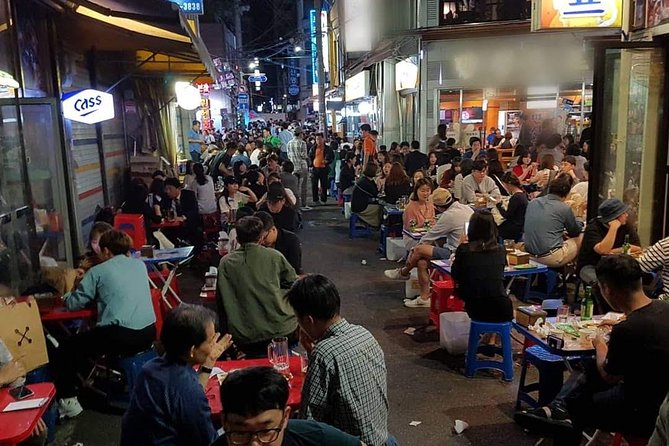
<point>660,219</point>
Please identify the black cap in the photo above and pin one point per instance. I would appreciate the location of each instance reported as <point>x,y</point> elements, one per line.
<point>275,192</point>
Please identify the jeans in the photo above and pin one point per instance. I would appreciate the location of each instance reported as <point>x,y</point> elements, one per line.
<point>302,179</point>
<point>195,156</point>
<point>391,441</point>
<point>320,174</point>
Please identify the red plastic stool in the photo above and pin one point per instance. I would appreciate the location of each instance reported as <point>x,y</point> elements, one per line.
<point>631,441</point>
<point>443,300</point>
<point>133,225</point>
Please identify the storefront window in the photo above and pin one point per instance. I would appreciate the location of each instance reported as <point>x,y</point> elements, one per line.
<point>7,69</point>
<point>633,91</point>
<point>455,12</point>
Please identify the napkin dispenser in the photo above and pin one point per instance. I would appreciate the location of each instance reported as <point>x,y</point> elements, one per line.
<point>527,316</point>
<point>518,258</point>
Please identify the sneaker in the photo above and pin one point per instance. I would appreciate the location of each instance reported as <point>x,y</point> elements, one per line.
<point>69,407</point>
<point>418,302</point>
<point>395,274</point>
<point>550,420</point>
<point>306,208</point>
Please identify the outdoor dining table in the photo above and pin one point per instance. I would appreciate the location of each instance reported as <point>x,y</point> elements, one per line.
<point>413,235</point>
<point>175,257</point>
<point>17,426</point>
<point>213,389</point>
<point>55,312</point>
<point>165,223</point>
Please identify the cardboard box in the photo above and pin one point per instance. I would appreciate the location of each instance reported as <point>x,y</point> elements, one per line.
<point>527,316</point>
<point>518,258</point>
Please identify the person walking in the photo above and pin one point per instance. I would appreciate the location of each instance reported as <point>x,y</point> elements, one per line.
<point>298,155</point>
<point>321,157</point>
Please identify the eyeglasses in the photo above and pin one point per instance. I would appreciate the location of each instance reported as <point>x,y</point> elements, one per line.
<point>264,436</point>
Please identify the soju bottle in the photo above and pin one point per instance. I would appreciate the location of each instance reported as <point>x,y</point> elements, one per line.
<point>626,244</point>
<point>587,305</point>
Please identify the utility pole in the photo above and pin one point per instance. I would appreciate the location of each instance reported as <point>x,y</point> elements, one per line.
<point>322,121</point>
<point>238,26</point>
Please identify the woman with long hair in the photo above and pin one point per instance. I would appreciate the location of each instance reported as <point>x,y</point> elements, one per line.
<point>381,176</point>
<point>432,159</point>
<point>449,176</point>
<point>234,197</point>
<point>397,184</point>
<point>364,199</point>
<point>204,191</point>
<point>156,196</point>
<point>546,173</point>
<point>189,178</point>
<point>514,212</point>
<point>420,212</point>
<point>478,269</point>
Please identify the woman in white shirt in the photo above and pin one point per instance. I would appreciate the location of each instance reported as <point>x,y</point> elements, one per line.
<point>203,186</point>
<point>234,197</point>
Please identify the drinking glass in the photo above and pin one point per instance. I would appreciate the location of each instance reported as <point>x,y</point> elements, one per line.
<point>277,353</point>
<point>562,314</point>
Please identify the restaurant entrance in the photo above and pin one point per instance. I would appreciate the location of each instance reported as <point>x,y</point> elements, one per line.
<point>630,128</point>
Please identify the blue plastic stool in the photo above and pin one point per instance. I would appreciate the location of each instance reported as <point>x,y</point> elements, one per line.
<point>353,229</point>
<point>333,189</point>
<point>132,365</point>
<point>473,363</point>
<point>552,276</point>
<point>385,231</point>
<point>551,375</point>
<point>347,199</point>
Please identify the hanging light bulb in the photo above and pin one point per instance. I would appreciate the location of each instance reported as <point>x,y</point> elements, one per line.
<point>188,96</point>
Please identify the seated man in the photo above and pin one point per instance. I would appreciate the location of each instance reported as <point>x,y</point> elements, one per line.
<point>622,390</point>
<point>285,242</point>
<point>168,404</point>
<point>656,260</point>
<point>255,401</point>
<point>450,226</point>
<point>183,204</point>
<point>252,283</point>
<point>478,184</point>
<point>345,384</point>
<point>546,220</point>
<point>285,217</point>
<point>604,236</point>
<point>126,320</point>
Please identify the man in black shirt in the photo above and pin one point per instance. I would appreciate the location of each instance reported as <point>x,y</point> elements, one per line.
<point>415,159</point>
<point>221,164</point>
<point>605,235</point>
<point>622,390</point>
<point>285,242</point>
<point>285,217</point>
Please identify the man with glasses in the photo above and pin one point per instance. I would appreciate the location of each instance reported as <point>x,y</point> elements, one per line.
<point>256,412</point>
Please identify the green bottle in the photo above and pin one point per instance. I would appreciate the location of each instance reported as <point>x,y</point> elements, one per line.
<point>587,305</point>
<point>626,244</point>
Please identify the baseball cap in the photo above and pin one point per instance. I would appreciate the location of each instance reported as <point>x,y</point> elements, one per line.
<point>441,197</point>
<point>275,192</point>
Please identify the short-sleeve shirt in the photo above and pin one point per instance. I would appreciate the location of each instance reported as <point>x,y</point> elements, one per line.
<point>639,352</point>
<point>369,145</point>
<point>594,233</point>
<point>194,146</point>
<point>309,433</point>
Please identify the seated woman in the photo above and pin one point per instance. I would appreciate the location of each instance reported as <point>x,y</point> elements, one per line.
<point>364,200</point>
<point>126,320</point>
<point>234,197</point>
<point>525,169</point>
<point>478,268</point>
<point>137,203</point>
<point>514,212</point>
<point>397,184</point>
<point>169,404</point>
<point>203,186</point>
<point>419,213</point>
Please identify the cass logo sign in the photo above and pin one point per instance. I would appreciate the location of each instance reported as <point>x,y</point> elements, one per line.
<point>88,106</point>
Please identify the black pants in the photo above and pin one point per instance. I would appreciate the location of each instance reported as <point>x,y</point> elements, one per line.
<point>593,403</point>
<point>75,352</point>
<point>320,174</point>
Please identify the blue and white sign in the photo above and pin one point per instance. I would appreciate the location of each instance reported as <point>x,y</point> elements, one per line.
<point>88,106</point>
<point>190,6</point>
<point>293,90</point>
<point>314,46</point>
<point>258,78</point>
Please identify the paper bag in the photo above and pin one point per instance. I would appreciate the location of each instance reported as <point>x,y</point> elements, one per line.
<point>21,331</point>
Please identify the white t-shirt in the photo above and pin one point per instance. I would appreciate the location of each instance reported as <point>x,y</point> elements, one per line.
<point>232,203</point>
<point>206,199</point>
<point>254,156</point>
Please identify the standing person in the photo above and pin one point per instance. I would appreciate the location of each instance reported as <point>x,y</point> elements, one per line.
<point>490,139</point>
<point>524,132</point>
<point>168,404</point>
<point>285,242</point>
<point>272,141</point>
<point>514,212</point>
<point>321,157</point>
<point>437,139</point>
<point>368,143</point>
<point>345,385</point>
<point>415,159</point>
<point>289,180</point>
<point>298,155</point>
<point>240,155</point>
<point>254,157</point>
<point>195,142</point>
<point>478,269</point>
<point>119,286</point>
<point>285,136</point>
<point>204,191</point>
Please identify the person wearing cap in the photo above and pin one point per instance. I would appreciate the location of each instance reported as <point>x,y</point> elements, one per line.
<point>605,235</point>
<point>285,217</point>
<point>450,226</point>
<point>299,156</point>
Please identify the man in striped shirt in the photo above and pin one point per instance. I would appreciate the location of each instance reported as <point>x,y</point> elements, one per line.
<point>656,260</point>
<point>298,155</point>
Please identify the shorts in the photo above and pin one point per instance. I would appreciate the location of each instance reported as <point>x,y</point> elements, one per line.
<point>440,253</point>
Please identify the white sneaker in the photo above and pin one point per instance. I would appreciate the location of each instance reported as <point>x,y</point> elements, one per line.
<point>417,302</point>
<point>395,274</point>
<point>69,407</point>
<point>306,208</point>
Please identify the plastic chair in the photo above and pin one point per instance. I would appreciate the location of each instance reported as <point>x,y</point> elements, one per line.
<point>133,225</point>
<point>473,363</point>
<point>132,365</point>
<point>159,309</point>
<point>631,441</point>
<point>551,375</point>
<point>353,229</point>
<point>443,300</point>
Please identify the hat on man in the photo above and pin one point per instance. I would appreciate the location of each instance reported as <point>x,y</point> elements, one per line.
<point>611,209</point>
<point>275,192</point>
<point>441,197</point>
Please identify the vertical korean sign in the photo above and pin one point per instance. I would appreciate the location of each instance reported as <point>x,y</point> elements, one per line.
<point>314,47</point>
<point>575,14</point>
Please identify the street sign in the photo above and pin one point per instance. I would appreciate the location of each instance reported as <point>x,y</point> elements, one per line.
<point>258,78</point>
<point>190,6</point>
<point>293,90</point>
<point>243,98</point>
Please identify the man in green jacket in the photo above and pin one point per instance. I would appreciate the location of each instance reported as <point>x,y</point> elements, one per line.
<point>252,284</point>
<point>271,140</point>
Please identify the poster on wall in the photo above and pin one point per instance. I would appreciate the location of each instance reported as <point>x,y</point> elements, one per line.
<point>639,14</point>
<point>657,12</point>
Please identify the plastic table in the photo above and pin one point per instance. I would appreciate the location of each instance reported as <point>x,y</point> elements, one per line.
<point>213,391</point>
<point>167,224</point>
<point>413,235</point>
<point>175,257</point>
<point>534,338</point>
<point>17,426</point>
